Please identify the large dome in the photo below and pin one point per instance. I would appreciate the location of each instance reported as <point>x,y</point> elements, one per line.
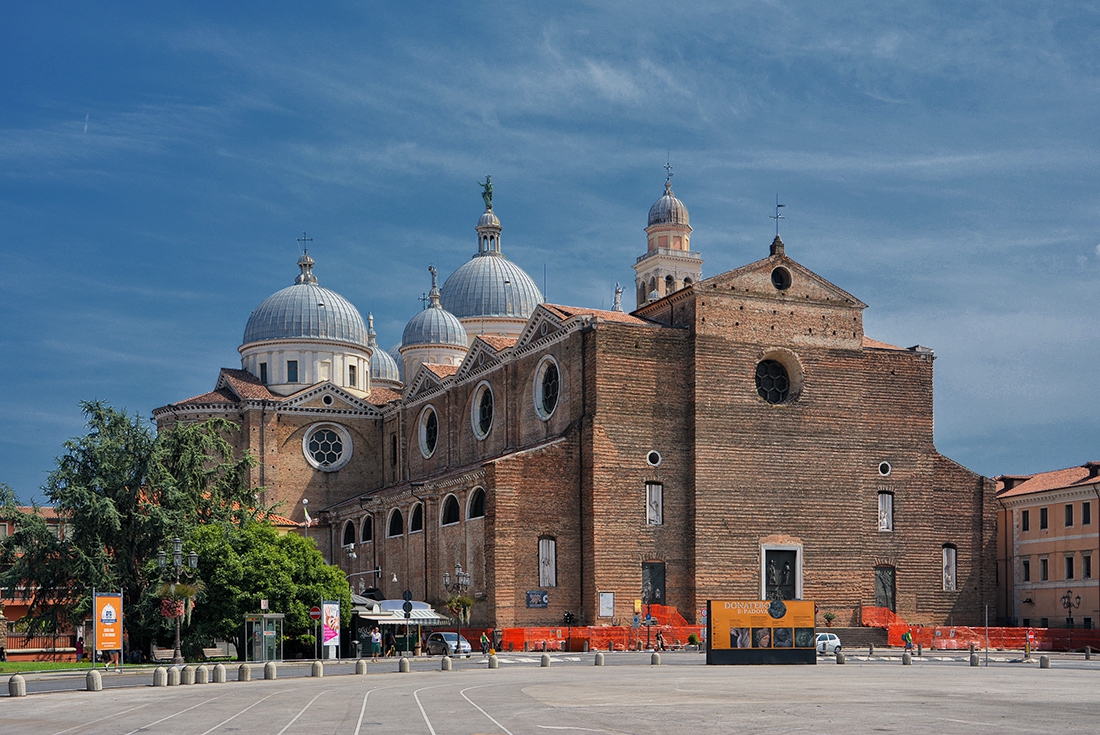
<point>490,285</point>
<point>668,210</point>
<point>434,326</point>
<point>306,311</point>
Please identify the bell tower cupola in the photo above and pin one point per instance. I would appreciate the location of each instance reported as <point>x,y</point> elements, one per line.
<point>668,264</point>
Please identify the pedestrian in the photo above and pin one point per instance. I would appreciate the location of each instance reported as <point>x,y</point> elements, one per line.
<point>484,643</point>
<point>907,637</point>
<point>660,641</point>
<point>391,643</point>
<point>375,643</point>
<point>79,649</point>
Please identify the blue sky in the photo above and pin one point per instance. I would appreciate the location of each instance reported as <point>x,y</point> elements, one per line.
<point>938,160</point>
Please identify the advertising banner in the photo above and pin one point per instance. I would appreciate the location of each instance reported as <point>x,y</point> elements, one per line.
<point>760,631</point>
<point>330,623</point>
<point>108,622</point>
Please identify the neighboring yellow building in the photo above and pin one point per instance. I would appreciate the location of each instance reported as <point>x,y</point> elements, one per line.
<point>1048,543</point>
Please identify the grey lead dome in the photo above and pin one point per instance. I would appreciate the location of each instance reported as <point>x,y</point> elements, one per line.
<point>668,210</point>
<point>306,311</point>
<point>490,285</point>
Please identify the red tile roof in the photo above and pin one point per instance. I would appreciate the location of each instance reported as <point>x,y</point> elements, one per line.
<point>497,343</point>
<point>567,312</point>
<point>247,385</point>
<point>443,371</point>
<point>1069,477</point>
<point>875,344</point>
<point>381,396</point>
<point>222,395</point>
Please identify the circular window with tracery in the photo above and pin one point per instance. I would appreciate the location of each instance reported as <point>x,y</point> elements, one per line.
<point>547,387</point>
<point>772,381</point>
<point>327,447</point>
<point>429,431</point>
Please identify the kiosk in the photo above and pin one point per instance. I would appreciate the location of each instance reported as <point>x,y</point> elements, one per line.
<point>263,635</point>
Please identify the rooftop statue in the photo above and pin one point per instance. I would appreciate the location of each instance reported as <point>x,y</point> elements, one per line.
<point>487,191</point>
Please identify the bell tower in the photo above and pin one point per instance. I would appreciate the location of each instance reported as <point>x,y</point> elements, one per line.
<point>668,264</point>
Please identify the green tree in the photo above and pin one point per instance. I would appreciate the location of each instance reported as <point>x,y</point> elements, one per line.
<point>243,564</point>
<point>120,493</point>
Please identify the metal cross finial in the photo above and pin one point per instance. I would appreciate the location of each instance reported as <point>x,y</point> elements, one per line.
<point>777,216</point>
<point>423,299</point>
<point>303,240</point>
<point>668,168</point>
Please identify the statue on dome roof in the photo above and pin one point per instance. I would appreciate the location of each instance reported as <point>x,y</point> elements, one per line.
<point>487,191</point>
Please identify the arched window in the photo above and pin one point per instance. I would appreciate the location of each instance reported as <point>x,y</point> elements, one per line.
<point>477,504</point>
<point>366,529</point>
<point>670,285</point>
<point>416,522</point>
<point>450,511</point>
<point>349,533</point>
<point>397,525</point>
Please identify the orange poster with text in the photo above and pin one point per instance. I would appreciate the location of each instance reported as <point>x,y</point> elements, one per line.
<point>761,624</point>
<point>108,622</point>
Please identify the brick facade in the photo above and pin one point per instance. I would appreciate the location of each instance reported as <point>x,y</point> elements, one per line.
<point>743,482</point>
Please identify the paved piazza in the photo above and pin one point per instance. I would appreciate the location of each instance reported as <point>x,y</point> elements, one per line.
<point>573,696</point>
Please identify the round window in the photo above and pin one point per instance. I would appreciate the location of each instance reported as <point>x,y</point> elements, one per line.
<point>884,469</point>
<point>327,447</point>
<point>482,410</point>
<point>653,458</point>
<point>547,387</point>
<point>429,431</point>
<point>781,278</point>
<point>772,382</point>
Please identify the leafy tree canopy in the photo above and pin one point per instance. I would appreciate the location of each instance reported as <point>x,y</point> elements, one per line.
<point>121,493</point>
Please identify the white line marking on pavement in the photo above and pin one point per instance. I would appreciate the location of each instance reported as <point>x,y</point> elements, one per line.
<point>479,709</point>
<point>162,719</point>
<point>561,727</point>
<point>215,727</point>
<point>297,715</point>
<point>362,711</point>
<point>101,719</point>
<point>416,696</point>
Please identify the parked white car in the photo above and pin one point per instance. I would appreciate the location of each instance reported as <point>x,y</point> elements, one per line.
<point>828,643</point>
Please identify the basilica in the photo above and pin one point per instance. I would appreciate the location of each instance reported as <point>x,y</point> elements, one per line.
<point>735,436</point>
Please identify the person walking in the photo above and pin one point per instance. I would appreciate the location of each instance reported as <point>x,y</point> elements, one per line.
<point>907,637</point>
<point>484,643</point>
<point>660,641</point>
<point>79,649</point>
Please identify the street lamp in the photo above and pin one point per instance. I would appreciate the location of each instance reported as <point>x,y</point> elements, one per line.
<point>647,598</point>
<point>460,585</point>
<point>177,564</point>
<point>1069,602</point>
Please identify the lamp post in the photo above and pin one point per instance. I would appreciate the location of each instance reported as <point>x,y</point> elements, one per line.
<point>460,585</point>
<point>1069,602</point>
<point>177,564</point>
<point>647,598</point>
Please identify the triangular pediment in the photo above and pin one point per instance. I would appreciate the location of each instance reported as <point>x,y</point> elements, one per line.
<point>544,323</point>
<point>779,278</point>
<point>425,382</point>
<point>483,355</point>
<point>328,397</point>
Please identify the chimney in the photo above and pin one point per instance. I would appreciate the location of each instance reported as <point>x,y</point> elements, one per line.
<point>1093,468</point>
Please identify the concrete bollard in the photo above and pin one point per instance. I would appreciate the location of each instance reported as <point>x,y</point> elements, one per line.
<point>202,674</point>
<point>403,666</point>
<point>270,672</point>
<point>160,677</point>
<point>974,660</point>
<point>599,658</point>
<point>1088,653</point>
<point>244,672</point>
<point>93,681</point>
<point>493,662</point>
<point>187,676</point>
<point>360,667</point>
<point>219,674</point>
<point>317,670</point>
<point>906,659</point>
<point>545,660</point>
<point>870,650</point>
<point>17,686</point>
<point>971,649</point>
<point>840,658</point>
<point>445,664</point>
<point>920,649</point>
<point>655,659</point>
<point>1044,662</point>
<point>586,646</point>
<point>174,676</point>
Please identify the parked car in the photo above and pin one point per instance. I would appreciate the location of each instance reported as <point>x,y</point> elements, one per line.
<point>444,644</point>
<point>828,643</point>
